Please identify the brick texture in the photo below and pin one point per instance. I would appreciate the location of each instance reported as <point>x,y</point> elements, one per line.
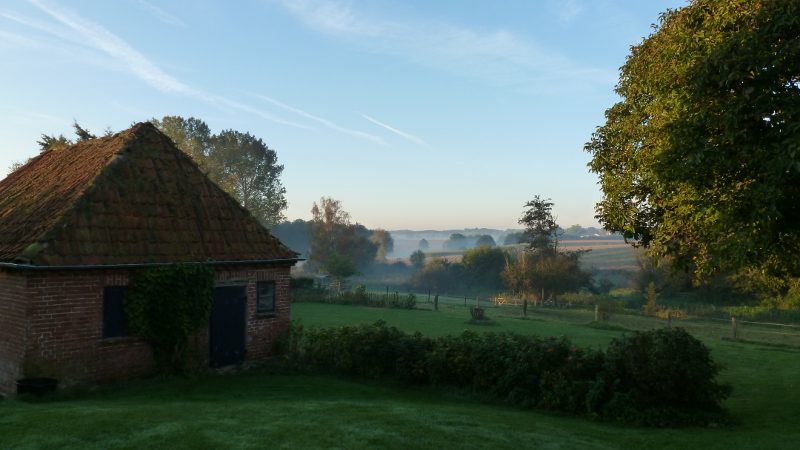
<point>54,318</point>
<point>12,329</point>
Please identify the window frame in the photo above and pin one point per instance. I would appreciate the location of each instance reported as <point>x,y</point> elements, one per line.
<point>259,309</point>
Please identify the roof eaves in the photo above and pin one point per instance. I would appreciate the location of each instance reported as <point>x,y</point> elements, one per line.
<point>24,266</point>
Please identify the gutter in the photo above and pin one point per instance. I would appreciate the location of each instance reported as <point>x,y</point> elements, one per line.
<point>9,265</point>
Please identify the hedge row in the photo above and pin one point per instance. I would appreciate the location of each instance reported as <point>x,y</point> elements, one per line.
<point>359,296</point>
<point>657,378</point>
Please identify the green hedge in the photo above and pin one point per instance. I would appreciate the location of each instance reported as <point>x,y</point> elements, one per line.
<point>656,378</point>
<point>359,296</point>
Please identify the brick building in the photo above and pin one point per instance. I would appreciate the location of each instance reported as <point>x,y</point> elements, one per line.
<point>77,222</point>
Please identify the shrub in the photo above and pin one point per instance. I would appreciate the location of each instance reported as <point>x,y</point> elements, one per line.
<point>662,377</point>
<point>301,283</point>
<point>658,378</point>
<point>578,298</point>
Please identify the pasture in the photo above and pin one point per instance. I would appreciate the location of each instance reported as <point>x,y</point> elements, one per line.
<point>275,409</point>
<point>603,254</point>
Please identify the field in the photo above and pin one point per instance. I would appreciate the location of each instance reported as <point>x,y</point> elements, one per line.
<point>604,254</point>
<point>279,410</point>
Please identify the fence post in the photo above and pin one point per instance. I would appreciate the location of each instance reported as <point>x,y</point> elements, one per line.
<point>429,295</point>
<point>734,328</point>
<point>596,312</point>
<point>436,302</point>
<point>465,300</point>
<point>669,319</point>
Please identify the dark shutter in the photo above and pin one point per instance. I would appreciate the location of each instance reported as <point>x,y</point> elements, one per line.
<point>115,323</point>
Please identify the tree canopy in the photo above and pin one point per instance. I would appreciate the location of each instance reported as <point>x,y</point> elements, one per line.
<point>541,230</point>
<point>238,162</point>
<point>384,242</point>
<point>333,236</point>
<point>700,159</point>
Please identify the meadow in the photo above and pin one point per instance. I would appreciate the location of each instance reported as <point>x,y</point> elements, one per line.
<point>270,407</point>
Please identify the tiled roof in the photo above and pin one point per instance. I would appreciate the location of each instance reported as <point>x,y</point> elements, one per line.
<point>131,198</point>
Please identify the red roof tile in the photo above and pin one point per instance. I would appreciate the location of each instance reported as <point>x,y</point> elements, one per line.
<point>131,198</point>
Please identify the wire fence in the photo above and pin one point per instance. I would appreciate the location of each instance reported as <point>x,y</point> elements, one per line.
<point>701,321</point>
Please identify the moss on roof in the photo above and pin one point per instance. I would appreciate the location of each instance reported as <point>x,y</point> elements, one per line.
<point>130,198</point>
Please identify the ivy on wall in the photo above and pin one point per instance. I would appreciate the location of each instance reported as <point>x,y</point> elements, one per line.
<point>167,305</point>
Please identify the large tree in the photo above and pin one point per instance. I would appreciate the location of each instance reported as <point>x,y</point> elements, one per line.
<point>383,239</point>
<point>238,162</point>
<point>249,170</point>
<point>700,159</point>
<point>542,269</point>
<point>192,136</point>
<point>333,236</point>
<point>541,230</point>
<point>483,266</point>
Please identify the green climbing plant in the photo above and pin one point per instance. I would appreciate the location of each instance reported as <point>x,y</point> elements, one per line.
<point>166,306</point>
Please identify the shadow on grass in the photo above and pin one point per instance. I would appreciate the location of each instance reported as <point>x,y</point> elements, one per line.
<point>606,326</point>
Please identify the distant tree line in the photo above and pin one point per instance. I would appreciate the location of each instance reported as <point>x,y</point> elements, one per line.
<point>458,241</point>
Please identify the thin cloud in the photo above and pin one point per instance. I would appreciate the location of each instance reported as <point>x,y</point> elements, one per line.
<point>566,10</point>
<point>394,130</point>
<point>327,123</point>
<point>95,36</point>
<point>160,14</point>
<point>104,40</point>
<point>496,57</point>
<point>16,40</point>
<point>333,16</point>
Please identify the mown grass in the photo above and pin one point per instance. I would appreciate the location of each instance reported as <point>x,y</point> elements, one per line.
<point>259,409</point>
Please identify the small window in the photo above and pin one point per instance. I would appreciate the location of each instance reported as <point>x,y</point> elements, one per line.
<point>115,323</point>
<point>265,291</point>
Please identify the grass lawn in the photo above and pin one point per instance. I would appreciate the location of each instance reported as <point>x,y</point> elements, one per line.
<point>263,410</point>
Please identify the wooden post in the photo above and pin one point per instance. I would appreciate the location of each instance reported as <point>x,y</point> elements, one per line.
<point>429,295</point>
<point>734,328</point>
<point>525,307</point>
<point>436,302</point>
<point>465,300</point>
<point>596,312</point>
<point>669,319</point>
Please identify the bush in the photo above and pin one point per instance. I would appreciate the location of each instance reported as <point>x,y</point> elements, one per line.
<point>661,378</point>
<point>301,283</point>
<point>657,378</point>
<point>579,298</point>
<point>765,313</point>
<point>359,296</point>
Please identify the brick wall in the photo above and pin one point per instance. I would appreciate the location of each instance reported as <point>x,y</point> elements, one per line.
<point>65,324</point>
<point>65,328</point>
<point>262,329</point>
<point>12,329</point>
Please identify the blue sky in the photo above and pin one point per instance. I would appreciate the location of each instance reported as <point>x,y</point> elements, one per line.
<point>415,114</point>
